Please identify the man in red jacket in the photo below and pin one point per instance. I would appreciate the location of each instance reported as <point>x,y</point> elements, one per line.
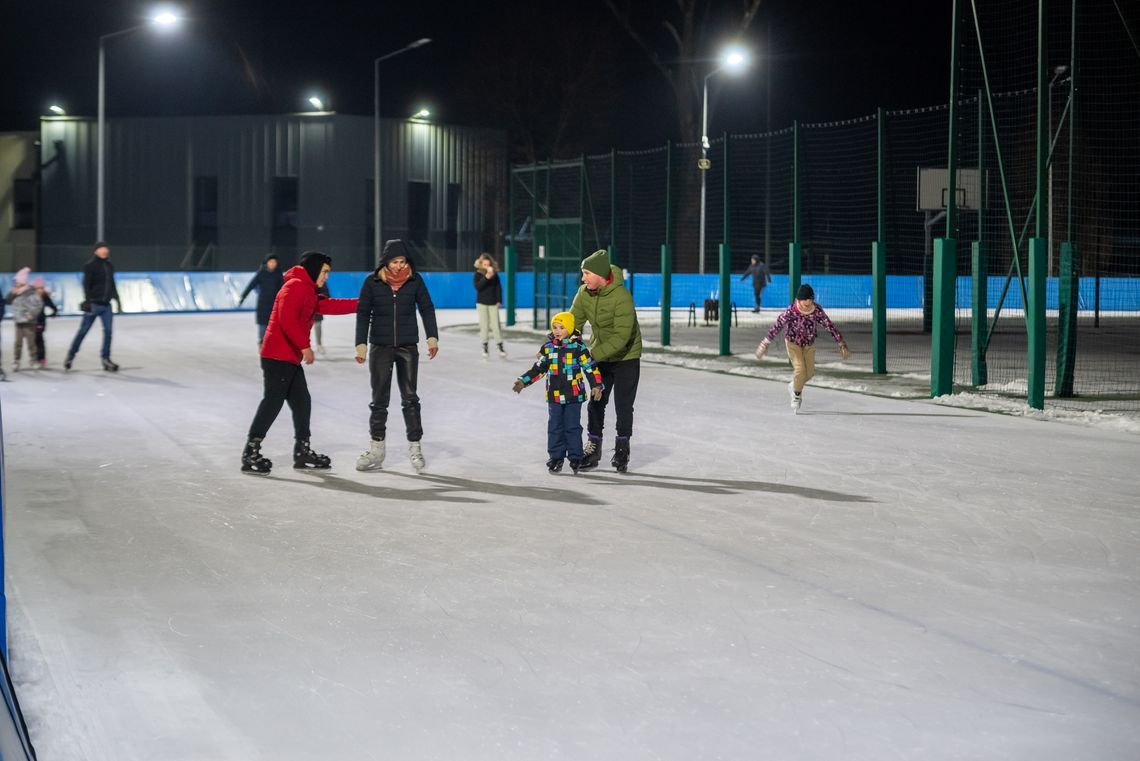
<point>284,348</point>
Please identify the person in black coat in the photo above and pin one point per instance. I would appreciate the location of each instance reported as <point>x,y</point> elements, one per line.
<point>488,297</point>
<point>387,336</point>
<point>268,281</point>
<point>98,292</point>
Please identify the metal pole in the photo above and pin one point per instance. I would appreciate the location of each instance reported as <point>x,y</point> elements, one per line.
<point>704,172</point>
<point>100,137</point>
<point>879,253</point>
<point>377,224</point>
<point>768,153</point>
<point>666,250</point>
<point>725,265</point>
<point>1038,252</point>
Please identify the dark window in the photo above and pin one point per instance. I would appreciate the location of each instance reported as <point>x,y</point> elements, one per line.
<point>419,206</point>
<point>23,204</point>
<point>369,225</point>
<point>454,192</point>
<point>205,210</point>
<point>283,237</point>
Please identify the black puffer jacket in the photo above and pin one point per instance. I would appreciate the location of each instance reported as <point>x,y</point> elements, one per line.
<point>388,318</point>
<point>99,281</point>
<point>488,290</point>
<point>267,284</point>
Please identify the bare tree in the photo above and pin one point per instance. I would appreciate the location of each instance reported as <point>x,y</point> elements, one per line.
<point>681,56</point>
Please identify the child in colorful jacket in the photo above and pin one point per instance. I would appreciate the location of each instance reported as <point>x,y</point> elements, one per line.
<point>799,323</point>
<point>567,363</point>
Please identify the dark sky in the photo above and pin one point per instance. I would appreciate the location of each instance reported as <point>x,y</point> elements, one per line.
<point>830,59</point>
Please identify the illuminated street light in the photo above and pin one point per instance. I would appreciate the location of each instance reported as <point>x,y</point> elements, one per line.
<point>423,113</point>
<point>57,110</point>
<point>316,103</point>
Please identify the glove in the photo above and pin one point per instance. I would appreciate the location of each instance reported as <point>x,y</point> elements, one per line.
<point>762,349</point>
<point>844,352</point>
<point>518,387</point>
<point>596,393</point>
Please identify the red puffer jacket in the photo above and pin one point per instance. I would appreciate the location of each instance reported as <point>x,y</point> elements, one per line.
<point>292,318</point>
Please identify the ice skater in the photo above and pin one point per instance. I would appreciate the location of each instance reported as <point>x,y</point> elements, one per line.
<point>758,271</point>
<point>488,298</point>
<point>799,322</point>
<point>284,348</point>
<point>268,281</point>
<point>27,305</point>
<point>41,321</point>
<point>566,363</point>
<point>386,337</point>
<point>98,292</point>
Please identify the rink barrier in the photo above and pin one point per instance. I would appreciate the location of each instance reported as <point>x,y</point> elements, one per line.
<point>220,291</point>
<point>15,743</point>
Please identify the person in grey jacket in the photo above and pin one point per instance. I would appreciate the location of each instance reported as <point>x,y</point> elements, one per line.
<point>386,337</point>
<point>26,308</point>
<point>98,293</point>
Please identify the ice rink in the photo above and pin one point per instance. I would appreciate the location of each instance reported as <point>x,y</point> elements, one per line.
<point>873,579</point>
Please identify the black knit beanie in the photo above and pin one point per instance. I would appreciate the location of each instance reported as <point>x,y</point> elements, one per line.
<point>313,261</point>
<point>805,292</point>
<point>392,249</point>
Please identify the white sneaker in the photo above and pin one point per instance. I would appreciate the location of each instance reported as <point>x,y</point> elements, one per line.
<point>796,398</point>
<point>373,458</point>
<point>417,455</point>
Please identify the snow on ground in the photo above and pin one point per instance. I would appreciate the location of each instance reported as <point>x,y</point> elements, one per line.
<point>874,578</point>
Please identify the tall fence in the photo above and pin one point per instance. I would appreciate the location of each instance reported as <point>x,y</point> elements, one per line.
<point>814,201</point>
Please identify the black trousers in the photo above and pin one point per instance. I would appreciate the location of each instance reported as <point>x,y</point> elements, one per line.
<point>284,383</point>
<point>619,379</point>
<point>759,292</point>
<point>406,362</point>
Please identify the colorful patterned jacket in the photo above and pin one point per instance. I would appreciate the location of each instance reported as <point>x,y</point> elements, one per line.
<point>565,364</point>
<point>801,327</point>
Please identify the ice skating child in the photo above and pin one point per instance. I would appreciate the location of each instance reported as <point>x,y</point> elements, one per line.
<point>26,309</point>
<point>41,321</point>
<point>567,363</point>
<point>799,323</point>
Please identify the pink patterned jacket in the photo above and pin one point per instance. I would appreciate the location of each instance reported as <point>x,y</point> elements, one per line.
<point>801,327</point>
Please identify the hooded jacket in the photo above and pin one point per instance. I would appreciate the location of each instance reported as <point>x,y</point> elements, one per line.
<point>388,318</point>
<point>292,318</point>
<point>267,284</point>
<point>567,365</point>
<point>616,335</point>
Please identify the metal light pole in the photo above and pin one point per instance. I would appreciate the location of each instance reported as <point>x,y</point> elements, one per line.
<point>377,220</point>
<point>1058,72</point>
<point>733,59</point>
<point>163,20</point>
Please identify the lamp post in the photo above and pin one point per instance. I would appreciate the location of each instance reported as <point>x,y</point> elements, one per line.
<point>162,20</point>
<point>732,60</point>
<point>377,226</point>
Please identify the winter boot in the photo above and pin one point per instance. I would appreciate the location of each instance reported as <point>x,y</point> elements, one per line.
<point>554,466</point>
<point>592,453</point>
<point>252,460</point>
<point>502,352</point>
<point>305,458</point>
<point>110,366</point>
<point>373,458</point>
<point>485,354</point>
<point>621,454</point>
<point>417,454</point>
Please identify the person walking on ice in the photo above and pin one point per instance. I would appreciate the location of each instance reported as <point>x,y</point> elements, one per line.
<point>283,349</point>
<point>799,323</point>
<point>615,342</point>
<point>566,363</point>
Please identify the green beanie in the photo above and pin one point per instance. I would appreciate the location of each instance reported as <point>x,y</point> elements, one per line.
<point>598,263</point>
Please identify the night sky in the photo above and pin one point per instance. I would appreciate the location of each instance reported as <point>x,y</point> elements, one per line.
<point>829,59</point>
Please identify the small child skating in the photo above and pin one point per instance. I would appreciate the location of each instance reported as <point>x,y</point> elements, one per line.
<point>41,321</point>
<point>799,323</point>
<point>567,364</point>
<point>27,305</point>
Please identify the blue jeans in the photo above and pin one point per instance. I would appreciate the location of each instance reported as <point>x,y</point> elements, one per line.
<point>103,312</point>
<point>564,430</point>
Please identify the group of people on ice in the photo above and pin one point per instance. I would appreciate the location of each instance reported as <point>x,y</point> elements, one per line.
<point>577,372</point>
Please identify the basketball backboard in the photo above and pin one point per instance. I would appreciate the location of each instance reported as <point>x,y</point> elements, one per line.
<point>933,185</point>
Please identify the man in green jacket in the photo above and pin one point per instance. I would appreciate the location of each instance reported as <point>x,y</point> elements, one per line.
<point>604,302</point>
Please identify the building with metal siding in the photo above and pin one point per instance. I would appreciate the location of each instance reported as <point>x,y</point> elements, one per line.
<point>220,192</point>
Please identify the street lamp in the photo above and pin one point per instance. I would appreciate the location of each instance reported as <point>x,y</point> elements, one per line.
<point>377,226</point>
<point>57,110</point>
<point>316,103</point>
<point>733,59</point>
<point>163,19</point>
<point>423,113</point>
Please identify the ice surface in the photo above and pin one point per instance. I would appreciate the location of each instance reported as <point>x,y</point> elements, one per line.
<point>871,579</point>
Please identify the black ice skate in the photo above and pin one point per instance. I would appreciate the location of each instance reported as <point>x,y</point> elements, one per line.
<point>252,460</point>
<point>305,458</point>
<point>575,465</point>
<point>592,454</point>
<point>621,454</point>
<point>554,466</point>
<point>110,366</point>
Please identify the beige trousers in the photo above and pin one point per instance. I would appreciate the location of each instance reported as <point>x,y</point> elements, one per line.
<point>26,333</point>
<point>489,322</point>
<point>803,364</point>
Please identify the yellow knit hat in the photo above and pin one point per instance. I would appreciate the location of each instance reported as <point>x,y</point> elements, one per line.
<point>565,319</point>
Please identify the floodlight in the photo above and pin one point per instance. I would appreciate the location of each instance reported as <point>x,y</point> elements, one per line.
<point>57,110</point>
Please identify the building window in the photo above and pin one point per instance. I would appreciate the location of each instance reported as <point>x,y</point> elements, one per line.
<point>283,237</point>
<point>205,210</point>
<point>23,204</point>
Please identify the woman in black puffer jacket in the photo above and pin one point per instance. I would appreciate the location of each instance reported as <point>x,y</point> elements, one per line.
<point>387,337</point>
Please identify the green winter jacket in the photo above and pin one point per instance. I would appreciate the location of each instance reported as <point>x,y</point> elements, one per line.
<point>613,321</point>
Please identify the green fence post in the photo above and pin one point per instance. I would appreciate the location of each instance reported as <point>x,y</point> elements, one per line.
<point>1067,306</point>
<point>613,211</point>
<point>879,257</point>
<point>1038,262</point>
<point>794,249</point>
<point>979,311</point>
<point>725,261</point>
<point>511,266</point>
<point>667,251</point>
<point>942,328</point>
